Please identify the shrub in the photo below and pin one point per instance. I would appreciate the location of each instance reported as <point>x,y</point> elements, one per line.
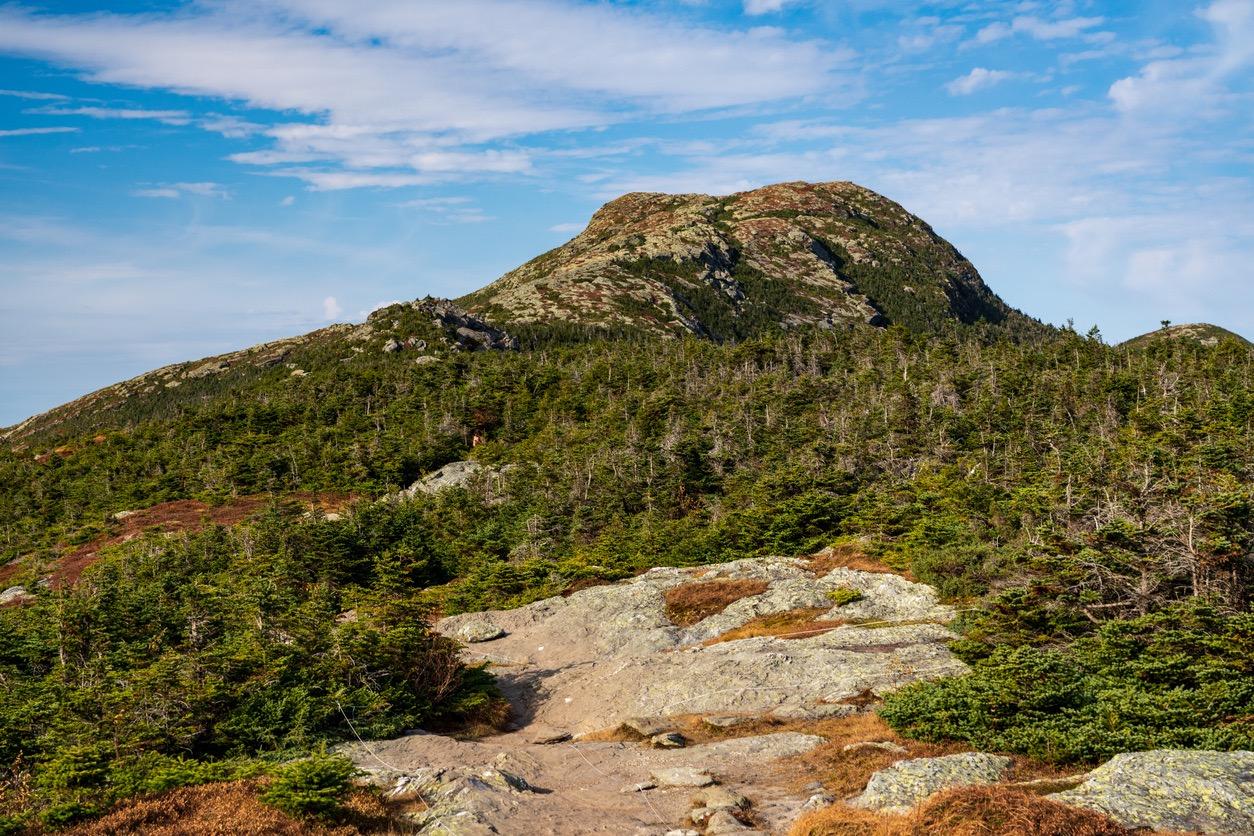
<point>842,595</point>
<point>312,786</point>
<point>1176,679</point>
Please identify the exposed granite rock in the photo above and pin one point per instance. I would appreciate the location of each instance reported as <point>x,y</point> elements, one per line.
<point>907,783</point>
<point>14,595</point>
<point>1172,789</point>
<point>480,630</point>
<point>610,653</point>
<point>451,475</point>
<point>682,776</point>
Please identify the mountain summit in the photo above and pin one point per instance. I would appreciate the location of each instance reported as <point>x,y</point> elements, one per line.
<point>832,254</point>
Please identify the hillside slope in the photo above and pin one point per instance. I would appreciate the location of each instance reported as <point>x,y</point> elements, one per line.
<point>833,254</point>
<point>1202,333</point>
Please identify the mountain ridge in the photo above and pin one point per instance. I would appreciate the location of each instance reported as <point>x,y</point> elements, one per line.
<point>726,267</point>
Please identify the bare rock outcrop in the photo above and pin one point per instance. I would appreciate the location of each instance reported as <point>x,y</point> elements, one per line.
<point>611,653</point>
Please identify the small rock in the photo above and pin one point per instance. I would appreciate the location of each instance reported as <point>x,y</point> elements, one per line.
<point>821,711</point>
<point>391,346</point>
<point>548,738</point>
<point>645,726</point>
<point>724,822</point>
<point>683,831</point>
<point>884,745</point>
<point>121,515</point>
<point>640,787</point>
<point>668,740</point>
<point>682,776</point>
<point>14,595</point>
<point>906,783</point>
<point>817,802</point>
<point>479,631</point>
<point>1172,789</point>
<point>719,798</point>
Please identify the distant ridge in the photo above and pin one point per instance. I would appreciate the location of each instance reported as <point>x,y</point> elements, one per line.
<point>1199,332</point>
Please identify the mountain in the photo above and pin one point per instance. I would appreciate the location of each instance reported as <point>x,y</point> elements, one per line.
<point>783,256</point>
<point>1202,333</point>
<point>729,267</point>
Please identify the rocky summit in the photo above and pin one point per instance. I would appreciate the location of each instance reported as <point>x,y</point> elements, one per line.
<point>833,254</point>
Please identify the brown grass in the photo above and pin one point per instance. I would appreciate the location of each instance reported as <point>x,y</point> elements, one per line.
<point>233,808</point>
<point>966,811</point>
<point>794,624</point>
<point>691,602</point>
<point>850,556</point>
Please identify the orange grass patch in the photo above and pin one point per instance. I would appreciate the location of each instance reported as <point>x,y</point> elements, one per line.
<point>218,809</point>
<point>849,556</point>
<point>966,811</point>
<point>793,624</point>
<point>691,602</point>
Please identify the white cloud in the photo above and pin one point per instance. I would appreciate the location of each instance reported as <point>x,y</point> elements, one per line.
<point>1039,28</point>
<point>416,89</point>
<point>37,131</point>
<point>167,117</point>
<point>34,95</point>
<point>763,7</point>
<point>568,227</point>
<point>456,209</point>
<point>978,79</point>
<point>287,201</point>
<point>1194,84</point>
<point>177,190</point>
<point>331,309</point>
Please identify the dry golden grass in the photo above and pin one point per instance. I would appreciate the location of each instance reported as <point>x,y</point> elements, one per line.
<point>689,603</point>
<point>967,811</point>
<point>797,624</point>
<point>233,808</point>
<point>850,556</point>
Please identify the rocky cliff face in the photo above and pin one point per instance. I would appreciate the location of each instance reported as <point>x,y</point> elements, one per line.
<point>832,254</point>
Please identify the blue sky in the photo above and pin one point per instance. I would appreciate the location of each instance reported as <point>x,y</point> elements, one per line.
<point>181,179</point>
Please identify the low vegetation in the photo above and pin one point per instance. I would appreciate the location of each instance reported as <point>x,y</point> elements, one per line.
<point>692,602</point>
<point>968,811</point>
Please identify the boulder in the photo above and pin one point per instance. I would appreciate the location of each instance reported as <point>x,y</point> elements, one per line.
<point>682,776</point>
<point>480,630</point>
<point>907,783</point>
<point>668,740</point>
<point>1172,789</point>
<point>14,595</point>
<point>452,475</point>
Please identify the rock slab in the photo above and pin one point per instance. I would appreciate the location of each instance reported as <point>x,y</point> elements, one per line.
<point>907,783</point>
<point>1172,789</point>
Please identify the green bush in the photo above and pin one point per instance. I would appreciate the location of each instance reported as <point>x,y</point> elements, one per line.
<point>312,786</point>
<point>1181,678</point>
<point>842,595</point>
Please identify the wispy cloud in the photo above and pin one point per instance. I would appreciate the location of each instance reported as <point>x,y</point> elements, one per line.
<point>487,70</point>
<point>37,131</point>
<point>177,190</point>
<point>978,79</point>
<point>168,117</point>
<point>1038,28</point>
<point>33,95</point>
